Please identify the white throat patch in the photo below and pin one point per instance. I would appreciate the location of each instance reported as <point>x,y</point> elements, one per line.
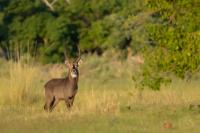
<point>73,75</point>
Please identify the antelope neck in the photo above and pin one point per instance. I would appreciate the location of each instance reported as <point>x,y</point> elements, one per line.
<point>71,79</point>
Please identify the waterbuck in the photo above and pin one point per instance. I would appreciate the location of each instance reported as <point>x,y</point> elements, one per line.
<point>63,88</point>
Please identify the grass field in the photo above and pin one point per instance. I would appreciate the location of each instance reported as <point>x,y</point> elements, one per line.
<point>107,101</point>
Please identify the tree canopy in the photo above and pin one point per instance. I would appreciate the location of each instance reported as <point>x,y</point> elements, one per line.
<point>166,32</point>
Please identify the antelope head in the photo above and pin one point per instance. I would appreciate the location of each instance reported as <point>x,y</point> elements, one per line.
<point>74,65</point>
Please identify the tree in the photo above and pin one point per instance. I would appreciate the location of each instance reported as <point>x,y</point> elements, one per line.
<point>174,40</point>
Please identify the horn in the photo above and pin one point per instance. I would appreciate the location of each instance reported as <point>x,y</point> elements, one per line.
<point>79,54</point>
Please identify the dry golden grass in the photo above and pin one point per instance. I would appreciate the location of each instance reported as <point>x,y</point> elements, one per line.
<point>23,84</point>
<point>18,81</point>
<point>105,89</point>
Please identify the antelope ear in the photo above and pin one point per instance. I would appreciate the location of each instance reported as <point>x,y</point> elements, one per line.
<point>67,63</point>
<point>80,62</point>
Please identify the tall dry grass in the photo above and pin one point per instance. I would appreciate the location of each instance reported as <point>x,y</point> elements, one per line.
<point>105,87</point>
<point>19,83</point>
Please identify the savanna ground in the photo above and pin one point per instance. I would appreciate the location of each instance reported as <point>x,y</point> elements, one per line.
<point>107,100</point>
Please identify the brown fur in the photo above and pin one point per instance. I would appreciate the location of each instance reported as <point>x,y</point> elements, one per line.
<point>63,88</point>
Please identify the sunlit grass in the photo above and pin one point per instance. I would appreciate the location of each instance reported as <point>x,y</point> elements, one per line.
<point>106,98</point>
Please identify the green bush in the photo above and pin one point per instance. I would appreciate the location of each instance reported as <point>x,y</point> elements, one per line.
<point>166,33</point>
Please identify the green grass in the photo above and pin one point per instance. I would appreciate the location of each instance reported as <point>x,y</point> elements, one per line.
<point>148,119</point>
<point>106,101</point>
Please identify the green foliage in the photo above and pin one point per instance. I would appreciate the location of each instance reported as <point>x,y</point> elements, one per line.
<point>174,35</point>
<point>165,32</point>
